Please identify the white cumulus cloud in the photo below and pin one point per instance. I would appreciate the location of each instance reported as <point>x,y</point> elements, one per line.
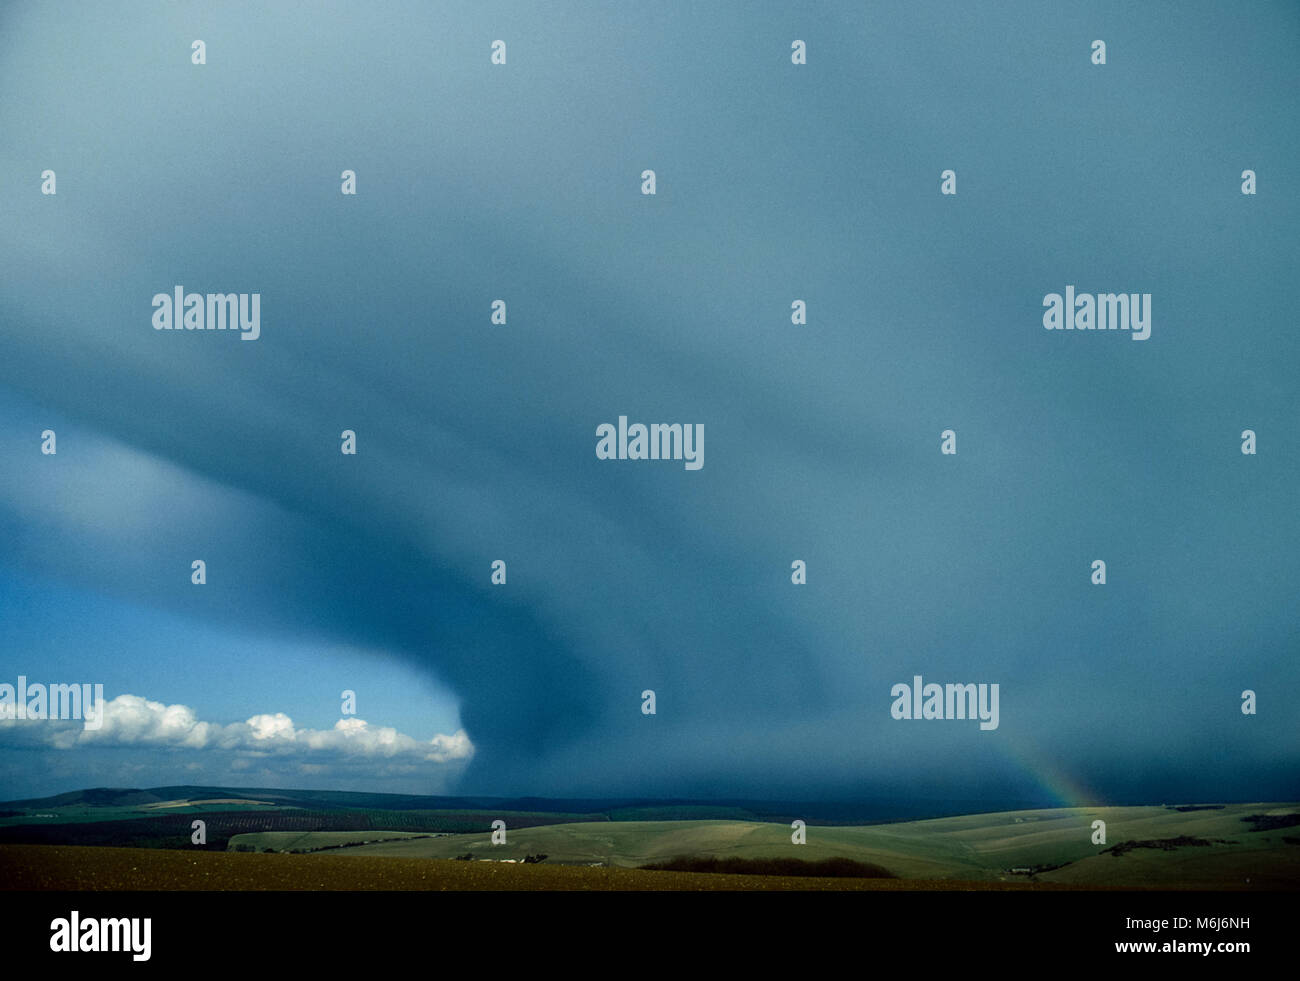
<point>135,721</point>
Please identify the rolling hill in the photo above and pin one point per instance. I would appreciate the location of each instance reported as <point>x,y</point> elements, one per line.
<point>1210,847</point>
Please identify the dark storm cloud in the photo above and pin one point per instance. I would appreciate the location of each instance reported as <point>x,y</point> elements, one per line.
<point>477,443</point>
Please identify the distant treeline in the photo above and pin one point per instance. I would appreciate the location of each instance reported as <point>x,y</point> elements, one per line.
<point>1165,844</point>
<point>1272,822</point>
<point>835,868</point>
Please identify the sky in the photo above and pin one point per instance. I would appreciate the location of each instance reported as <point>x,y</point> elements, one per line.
<point>477,442</point>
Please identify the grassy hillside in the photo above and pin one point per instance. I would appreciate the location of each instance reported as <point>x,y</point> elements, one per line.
<point>1209,848</point>
<point>1247,846</point>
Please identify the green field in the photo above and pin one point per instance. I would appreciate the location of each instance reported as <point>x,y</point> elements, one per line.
<point>1199,849</point>
<point>87,813</point>
<point>314,841</point>
<point>167,824</point>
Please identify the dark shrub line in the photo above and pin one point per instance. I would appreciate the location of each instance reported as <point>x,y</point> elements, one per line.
<point>836,868</point>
